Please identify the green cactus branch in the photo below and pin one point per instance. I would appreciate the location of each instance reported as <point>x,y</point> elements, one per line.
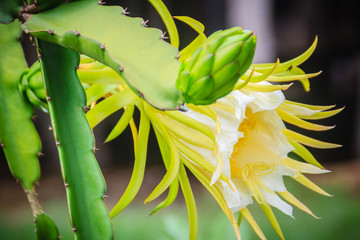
<point>18,136</point>
<point>85,185</point>
<point>149,67</point>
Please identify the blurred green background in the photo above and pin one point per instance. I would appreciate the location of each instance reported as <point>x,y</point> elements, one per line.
<point>285,29</point>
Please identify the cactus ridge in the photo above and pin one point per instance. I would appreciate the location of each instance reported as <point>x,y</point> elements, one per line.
<point>18,135</point>
<point>84,183</point>
<point>150,68</point>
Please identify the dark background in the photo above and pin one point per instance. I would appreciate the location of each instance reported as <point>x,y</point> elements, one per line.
<point>294,26</point>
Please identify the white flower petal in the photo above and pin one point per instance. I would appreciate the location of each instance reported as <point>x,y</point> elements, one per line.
<point>265,100</point>
<point>277,202</point>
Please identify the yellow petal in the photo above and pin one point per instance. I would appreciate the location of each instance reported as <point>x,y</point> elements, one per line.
<point>309,184</point>
<point>294,201</point>
<point>322,115</point>
<point>291,63</point>
<point>297,137</point>
<point>247,215</point>
<point>187,134</point>
<point>272,219</point>
<point>312,107</point>
<point>218,169</point>
<point>301,123</point>
<point>215,192</point>
<point>266,88</point>
<point>139,168</point>
<point>305,154</point>
<point>190,203</point>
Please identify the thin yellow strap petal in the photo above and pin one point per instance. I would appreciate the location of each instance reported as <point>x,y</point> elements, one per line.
<point>247,215</point>
<point>218,169</point>
<point>261,77</point>
<point>134,133</point>
<point>208,111</point>
<point>139,168</point>
<point>309,184</point>
<point>122,123</point>
<point>294,201</point>
<point>190,122</point>
<point>190,202</point>
<point>199,160</point>
<point>287,78</point>
<point>321,115</point>
<point>312,107</point>
<point>301,123</point>
<point>187,134</point>
<point>108,106</point>
<point>293,62</point>
<point>311,142</point>
<point>305,154</point>
<point>272,219</point>
<point>215,192</point>
<point>266,88</point>
<point>168,21</point>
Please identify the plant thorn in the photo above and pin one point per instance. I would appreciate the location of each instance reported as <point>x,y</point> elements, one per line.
<point>163,36</point>
<point>144,23</point>
<point>125,12</point>
<point>57,143</point>
<point>48,98</point>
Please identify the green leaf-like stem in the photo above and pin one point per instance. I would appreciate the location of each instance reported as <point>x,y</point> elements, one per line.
<point>85,185</point>
<point>148,64</point>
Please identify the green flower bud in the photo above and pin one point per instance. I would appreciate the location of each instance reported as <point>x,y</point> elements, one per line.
<point>31,84</point>
<point>214,68</point>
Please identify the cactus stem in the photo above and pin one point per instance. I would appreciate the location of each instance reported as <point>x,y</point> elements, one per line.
<point>144,23</point>
<point>125,12</point>
<point>163,36</point>
<point>58,143</point>
<point>48,98</point>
